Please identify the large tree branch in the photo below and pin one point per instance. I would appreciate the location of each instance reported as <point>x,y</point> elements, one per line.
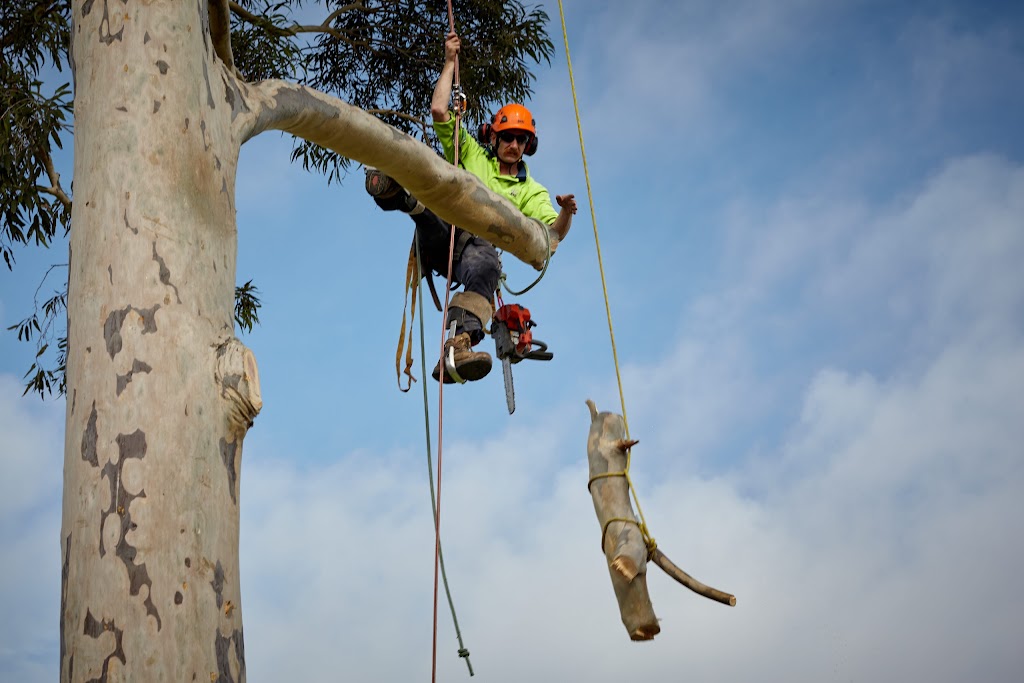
<point>452,193</point>
<point>220,31</point>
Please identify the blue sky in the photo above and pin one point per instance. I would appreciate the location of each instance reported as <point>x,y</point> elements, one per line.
<point>812,220</point>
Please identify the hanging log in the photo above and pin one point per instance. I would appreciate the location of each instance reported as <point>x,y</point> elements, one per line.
<point>622,542</point>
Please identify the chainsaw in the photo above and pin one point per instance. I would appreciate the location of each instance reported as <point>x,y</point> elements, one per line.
<point>512,328</point>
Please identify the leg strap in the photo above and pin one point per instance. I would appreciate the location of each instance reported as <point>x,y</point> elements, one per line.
<point>475,304</point>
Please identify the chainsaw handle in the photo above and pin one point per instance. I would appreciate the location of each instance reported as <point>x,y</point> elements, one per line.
<point>540,354</point>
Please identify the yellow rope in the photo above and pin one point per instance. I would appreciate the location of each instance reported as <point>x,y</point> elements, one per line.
<point>604,287</point>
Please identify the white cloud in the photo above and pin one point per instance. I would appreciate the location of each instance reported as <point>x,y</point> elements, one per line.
<point>30,451</point>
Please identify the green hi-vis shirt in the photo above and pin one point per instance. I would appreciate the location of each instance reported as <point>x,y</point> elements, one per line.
<point>524,192</point>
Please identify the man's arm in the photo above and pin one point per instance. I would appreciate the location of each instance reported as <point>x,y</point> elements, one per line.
<point>561,226</point>
<point>443,89</point>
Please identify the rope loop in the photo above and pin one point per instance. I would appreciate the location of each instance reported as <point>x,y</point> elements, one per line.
<point>547,261</point>
<point>649,541</point>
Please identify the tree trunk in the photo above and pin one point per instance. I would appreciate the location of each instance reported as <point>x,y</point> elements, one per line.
<point>621,540</point>
<point>160,394</point>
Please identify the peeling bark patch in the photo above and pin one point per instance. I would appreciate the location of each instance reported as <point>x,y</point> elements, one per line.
<point>106,37</point>
<point>64,602</point>
<point>202,127</point>
<point>156,106</point>
<point>178,598</point>
<point>227,454</point>
<point>222,646</point>
<point>145,38</point>
<point>165,273</point>
<point>122,108</point>
<point>86,7</point>
<point>209,92</point>
<point>135,231</point>
<point>110,274</point>
<point>218,584</point>
<point>292,102</point>
<point>163,66</point>
<point>233,96</point>
<point>95,629</point>
<point>112,330</point>
<point>124,380</point>
<point>112,326</point>
<point>129,446</point>
<point>89,440</point>
<point>505,236</point>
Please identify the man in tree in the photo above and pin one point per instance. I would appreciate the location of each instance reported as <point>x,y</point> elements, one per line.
<point>475,263</point>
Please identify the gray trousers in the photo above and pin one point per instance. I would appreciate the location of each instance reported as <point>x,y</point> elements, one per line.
<point>476,265</point>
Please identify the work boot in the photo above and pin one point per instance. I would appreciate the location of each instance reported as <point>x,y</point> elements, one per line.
<point>471,365</point>
<point>388,194</point>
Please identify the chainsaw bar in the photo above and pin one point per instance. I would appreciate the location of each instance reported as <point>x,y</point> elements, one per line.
<point>510,391</point>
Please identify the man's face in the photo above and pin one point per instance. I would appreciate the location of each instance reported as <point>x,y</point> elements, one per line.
<point>510,145</point>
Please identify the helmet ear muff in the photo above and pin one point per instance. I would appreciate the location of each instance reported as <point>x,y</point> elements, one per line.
<point>483,134</point>
<point>531,146</point>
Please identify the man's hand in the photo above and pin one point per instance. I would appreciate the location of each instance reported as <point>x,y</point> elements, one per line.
<point>561,226</point>
<point>441,99</point>
<point>452,45</point>
<point>567,201</point>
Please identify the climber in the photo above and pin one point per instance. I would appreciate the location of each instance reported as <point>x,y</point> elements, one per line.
<point>499,164</point>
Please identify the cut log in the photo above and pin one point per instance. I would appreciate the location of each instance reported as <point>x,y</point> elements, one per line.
<point>621,540</point>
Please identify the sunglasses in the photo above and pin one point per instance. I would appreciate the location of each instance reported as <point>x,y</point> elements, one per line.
<point>508,137</point>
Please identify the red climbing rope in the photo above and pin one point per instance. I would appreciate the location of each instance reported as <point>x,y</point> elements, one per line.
<point>442,369</point>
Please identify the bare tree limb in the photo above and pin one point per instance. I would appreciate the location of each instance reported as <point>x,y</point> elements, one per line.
<point>693,584</point>
<point>220,31</point>
<point>296,29</point>
<point>418,120</point>
<point>55,189</point>
<point>455,195</point>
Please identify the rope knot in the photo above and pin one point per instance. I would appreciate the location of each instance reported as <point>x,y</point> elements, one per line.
<point>463,652</point>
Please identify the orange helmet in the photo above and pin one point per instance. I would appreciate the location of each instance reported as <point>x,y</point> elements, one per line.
<point>514,117</point>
